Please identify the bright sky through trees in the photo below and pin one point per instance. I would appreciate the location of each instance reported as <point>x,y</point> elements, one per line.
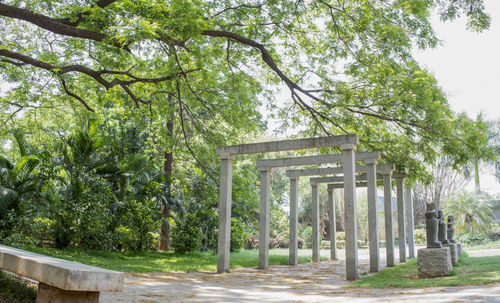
<point>467,64</point>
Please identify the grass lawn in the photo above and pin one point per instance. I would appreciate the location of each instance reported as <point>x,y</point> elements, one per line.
<point>489,245</point>
<point>15,290</point>
<point>470,271</point>
<point>161,261</point>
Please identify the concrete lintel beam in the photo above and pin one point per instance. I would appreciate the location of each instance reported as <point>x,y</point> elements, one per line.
<point>330,180</point>
<point>399,176</point>
<point>317,171</point>
<point>386,169</point>
<point>341,185</point>
<point>382,168</point>
<point>315,160</point>
<point>297,144</point>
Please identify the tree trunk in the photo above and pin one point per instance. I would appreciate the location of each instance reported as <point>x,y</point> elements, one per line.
<point>476,177</point>
<point>167,169</point>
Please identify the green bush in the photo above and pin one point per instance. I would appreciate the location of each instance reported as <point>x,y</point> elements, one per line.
<point>306,234</point>
<point>473,239</point>
<point>238,234</point>
<point>325,244</point>
<point>140,223</point>
<point>420,236</point>
<point>186,234</point>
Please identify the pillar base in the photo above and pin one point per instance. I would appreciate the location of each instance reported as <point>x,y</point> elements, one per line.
<point>453,252</point>
<point>50,294</point>
<point>434,262</point>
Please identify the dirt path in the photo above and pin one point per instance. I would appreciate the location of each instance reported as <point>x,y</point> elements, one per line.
<point>311,282</point>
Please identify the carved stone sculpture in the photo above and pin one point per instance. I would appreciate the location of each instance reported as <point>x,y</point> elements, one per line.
<point>442,228</point>
<point>451,230</point>
<point>431,226</point>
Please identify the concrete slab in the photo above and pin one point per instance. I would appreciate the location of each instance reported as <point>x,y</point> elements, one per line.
<point>59,273</point>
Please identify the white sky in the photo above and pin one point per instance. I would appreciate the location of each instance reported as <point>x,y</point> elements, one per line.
<point>467,66</point>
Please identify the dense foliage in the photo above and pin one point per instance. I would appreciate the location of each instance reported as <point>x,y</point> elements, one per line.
<point>111,109</point>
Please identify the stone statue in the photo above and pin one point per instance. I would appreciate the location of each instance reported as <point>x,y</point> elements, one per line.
<point>442,228</point>
<point>431,226</point>
<point>451,230</point>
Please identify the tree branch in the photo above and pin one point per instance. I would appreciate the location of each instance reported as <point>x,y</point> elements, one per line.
<point>83,15</point>
<point>53,25</point>
<point>96,75</point>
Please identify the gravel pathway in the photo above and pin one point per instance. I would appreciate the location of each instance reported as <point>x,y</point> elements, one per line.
<point>311,282</point>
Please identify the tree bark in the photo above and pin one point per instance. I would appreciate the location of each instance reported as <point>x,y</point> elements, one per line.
<point>167,169</point>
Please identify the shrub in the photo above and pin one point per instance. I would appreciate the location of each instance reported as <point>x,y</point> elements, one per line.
<point>140,223</point>
<point>473,239</point>
<point>238,234</point>
<point>306,234</point>
<point>420,236</point>
<point>252,243</point>
<point>186,234</point>
<point>273,242</point>
<point>325,244</point>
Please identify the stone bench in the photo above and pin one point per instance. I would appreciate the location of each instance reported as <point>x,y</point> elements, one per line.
<point>60,280</point>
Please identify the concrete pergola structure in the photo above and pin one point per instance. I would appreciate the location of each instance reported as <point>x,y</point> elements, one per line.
<point>350,225</point>
<point>351,244</point>
<point>300,161</point>
<point>226,154</point>
<point>404,200</point>
<point>370,183</point>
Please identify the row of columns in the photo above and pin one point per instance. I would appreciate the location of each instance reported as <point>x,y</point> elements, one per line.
<point>349,184</point>
<point>404,211</point>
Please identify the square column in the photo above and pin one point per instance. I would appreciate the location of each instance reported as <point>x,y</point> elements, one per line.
<point>315,223</point>
<point>389,232</point>
<point>265,184</point>
<point>401,219</point>
<point>294,222</point>
<point>333,223</point>
<point>225,201</point>
<point>371,178</point>
<point>351,237</point>
<point>409,223</point>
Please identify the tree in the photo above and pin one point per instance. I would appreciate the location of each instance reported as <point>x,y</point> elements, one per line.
<point>18,183</point>
<point>471,211</point>
<point>209,66</point>
<point>446,182</point>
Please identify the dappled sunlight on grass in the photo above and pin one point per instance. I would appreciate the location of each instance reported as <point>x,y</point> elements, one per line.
<point>161,261</point>
<point>470,271</point>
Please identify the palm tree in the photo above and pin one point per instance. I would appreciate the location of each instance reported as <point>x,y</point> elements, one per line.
<point>17,182</point>
<point>472,212</point>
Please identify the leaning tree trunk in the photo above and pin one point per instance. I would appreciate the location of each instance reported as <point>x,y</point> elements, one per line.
<point>165,212</point>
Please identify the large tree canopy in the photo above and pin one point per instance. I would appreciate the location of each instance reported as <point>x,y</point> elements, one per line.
<point>210,65</point>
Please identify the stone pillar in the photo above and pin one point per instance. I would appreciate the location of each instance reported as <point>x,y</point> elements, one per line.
<point>225,200</point>
<point>401,219</point>
<point>265,184</point>
<point>333,223</point>
<point>371,177</point>
<point>351,237</point>
<point>409,223</point>
<point>389,233</point>
<point>315,223</point>
<point>294,222</point>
